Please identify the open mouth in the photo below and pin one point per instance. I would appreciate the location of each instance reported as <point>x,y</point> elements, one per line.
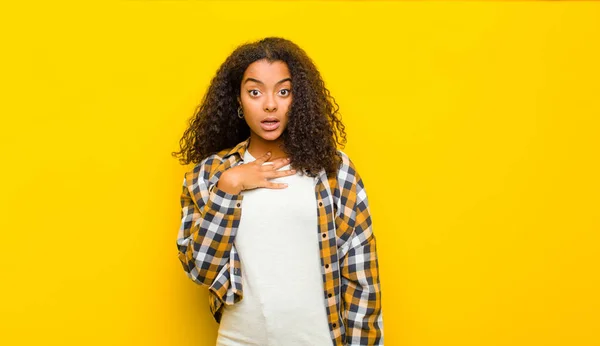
<point>269,125</point>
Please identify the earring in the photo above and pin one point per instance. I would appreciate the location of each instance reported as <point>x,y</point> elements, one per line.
<point>240,113</point>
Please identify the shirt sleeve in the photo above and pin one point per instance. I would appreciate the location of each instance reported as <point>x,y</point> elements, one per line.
<point>361,291</point>
<point>209,221</point>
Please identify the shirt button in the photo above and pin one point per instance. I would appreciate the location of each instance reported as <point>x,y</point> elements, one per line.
<point>329,295</point>
<point>320,204</point>
<point>238,204</point>
<point>334,325</point>
<point>327,266</point>
<point>324,235</point>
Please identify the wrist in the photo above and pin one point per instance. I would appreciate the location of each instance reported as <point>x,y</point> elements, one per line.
<point>229,185</point>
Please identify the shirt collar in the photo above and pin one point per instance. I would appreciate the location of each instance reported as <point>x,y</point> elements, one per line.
<point>239,149</point>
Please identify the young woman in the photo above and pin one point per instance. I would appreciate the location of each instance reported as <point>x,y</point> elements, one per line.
<point>275,219</point>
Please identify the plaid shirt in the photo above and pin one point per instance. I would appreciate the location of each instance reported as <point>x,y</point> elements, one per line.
<point>210,218</point>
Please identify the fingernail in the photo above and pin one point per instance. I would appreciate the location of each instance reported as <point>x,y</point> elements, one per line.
<point>293,171</point>
<point>268,153</point>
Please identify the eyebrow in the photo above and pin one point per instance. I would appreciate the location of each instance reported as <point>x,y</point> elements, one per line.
<point>250,79</point>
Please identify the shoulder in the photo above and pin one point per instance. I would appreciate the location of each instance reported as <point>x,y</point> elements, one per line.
<point>347,170</point>
<point>206,168</point>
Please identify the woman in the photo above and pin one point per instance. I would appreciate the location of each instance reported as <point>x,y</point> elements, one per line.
<point>275,220</point>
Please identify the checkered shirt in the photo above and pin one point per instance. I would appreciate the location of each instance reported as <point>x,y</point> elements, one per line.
<point>210,218</point>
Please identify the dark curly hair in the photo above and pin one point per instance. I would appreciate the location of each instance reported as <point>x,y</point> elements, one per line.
<point>310,137</point>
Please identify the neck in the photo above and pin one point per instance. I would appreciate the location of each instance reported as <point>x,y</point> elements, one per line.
<point>258,146</point>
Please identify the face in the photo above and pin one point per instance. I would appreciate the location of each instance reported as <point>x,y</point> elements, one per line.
<point>265,97</point>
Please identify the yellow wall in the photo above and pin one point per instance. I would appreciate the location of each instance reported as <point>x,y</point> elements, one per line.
<point>474,125</point>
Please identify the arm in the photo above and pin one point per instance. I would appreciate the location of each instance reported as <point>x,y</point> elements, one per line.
<point>361,290</point>
<point>209,220</point>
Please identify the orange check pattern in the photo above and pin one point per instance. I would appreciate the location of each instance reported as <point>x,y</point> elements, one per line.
<point>210,218</point>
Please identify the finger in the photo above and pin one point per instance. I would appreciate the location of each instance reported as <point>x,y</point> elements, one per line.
<point>271,185</point>
<point>281,162</point>
<point>274,165</point>
<point>284,173</point>
<point>263,158</point>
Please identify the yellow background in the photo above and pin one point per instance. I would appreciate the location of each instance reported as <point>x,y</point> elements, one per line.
<point>474,125</point>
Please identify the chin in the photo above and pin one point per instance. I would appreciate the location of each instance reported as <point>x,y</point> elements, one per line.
<point>270,136</point>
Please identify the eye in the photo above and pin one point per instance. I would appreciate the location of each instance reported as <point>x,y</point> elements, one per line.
<point>250,91</point>
<point>287,92</point>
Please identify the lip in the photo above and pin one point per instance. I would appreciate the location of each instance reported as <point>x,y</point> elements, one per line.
<point>269,127</point>
<point>270,118</point>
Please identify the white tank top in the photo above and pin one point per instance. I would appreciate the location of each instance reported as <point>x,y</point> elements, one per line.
<point>278,245</point>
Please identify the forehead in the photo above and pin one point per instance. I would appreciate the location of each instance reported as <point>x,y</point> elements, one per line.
<point>266,71</point>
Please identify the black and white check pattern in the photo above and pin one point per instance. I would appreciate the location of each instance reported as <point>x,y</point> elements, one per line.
<point>210,218</point>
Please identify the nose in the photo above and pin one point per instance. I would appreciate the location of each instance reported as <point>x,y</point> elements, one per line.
<point>270,104</point>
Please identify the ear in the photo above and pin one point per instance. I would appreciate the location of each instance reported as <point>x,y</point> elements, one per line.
<point>239,101</point>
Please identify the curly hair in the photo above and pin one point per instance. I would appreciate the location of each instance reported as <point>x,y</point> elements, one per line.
<point>310,137</point>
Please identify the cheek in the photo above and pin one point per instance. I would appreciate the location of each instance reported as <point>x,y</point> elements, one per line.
<point>248,103</point>
<point>287,108</point>
<point>245,99</point>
